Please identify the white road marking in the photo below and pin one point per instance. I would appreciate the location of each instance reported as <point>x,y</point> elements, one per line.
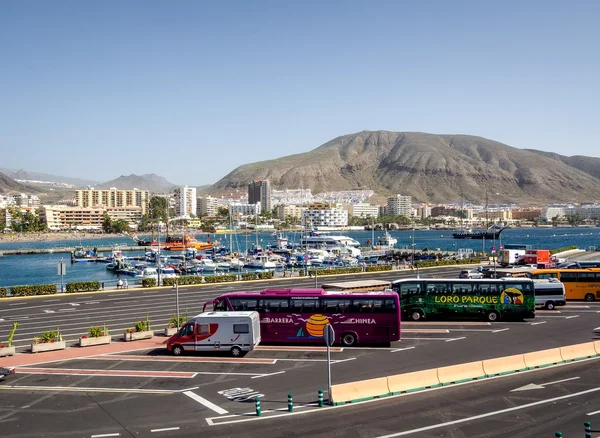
<point>66,310</point>
<point>542,385</point>
<point>489,414</point>
<point>165,429</point>
<point>50,301</point>
<point>401,349</point>
<point>206,403</point>
<point>593,413</point>
<point>538,323</point>
<point>597,328</point>
<point>17,304</point>
<point>88,389</point>
<point>106,435</point>
<point>92,302</point>
<point>471,330</point>
<point>501,330</point>
<point>571,317</point>
<point>560,381</point>
<point>333,362</point>
<point>455,339</point>
<point>265,375</point>
<point>548,316</point>
<point>48,311</point>
<point>424,339</point>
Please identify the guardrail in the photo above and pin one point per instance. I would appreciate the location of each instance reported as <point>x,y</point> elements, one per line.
<point>362,390</point>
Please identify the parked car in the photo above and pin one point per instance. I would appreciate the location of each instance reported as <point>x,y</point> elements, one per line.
<point>5,372</point>
<point>470,273</point>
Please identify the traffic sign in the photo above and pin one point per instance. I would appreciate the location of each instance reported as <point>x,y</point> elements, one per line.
<point>305,257</point>
<point>494,248</point>
<point>328,335</point>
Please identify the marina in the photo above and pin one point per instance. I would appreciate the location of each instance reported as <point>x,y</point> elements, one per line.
<point>36,262</point>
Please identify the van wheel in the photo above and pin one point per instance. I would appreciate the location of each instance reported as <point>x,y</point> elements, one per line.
<point>493,316</point>
<point>349,339</point>
<point>236,351</point>
<point>550,305</point>
<point>177,350</point>
<point>416,315</point>
<point>589,297</point>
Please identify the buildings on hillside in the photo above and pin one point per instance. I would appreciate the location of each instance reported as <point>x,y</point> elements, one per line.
<point>399,205</point>
<point>207,206</point>
<point>259,192</point>
<point>185,201</point>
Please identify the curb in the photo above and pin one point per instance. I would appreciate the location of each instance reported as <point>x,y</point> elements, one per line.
<point>359,391</point>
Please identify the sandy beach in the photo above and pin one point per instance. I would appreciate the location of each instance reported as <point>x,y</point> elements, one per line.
<point>50,236</point>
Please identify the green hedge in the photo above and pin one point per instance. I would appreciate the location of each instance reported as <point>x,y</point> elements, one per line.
<point>566,248</point>
<point>331,271</point>
<point>37,289</point>
<point>220,278</point>
<point>3,292</point>
<point>378,268</point>
<point>83,286</point>
<point>149,282</point>
<point>428,264</point>
<point>193,279</point>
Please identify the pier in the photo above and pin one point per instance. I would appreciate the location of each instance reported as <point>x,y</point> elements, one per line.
<point>68,250</point>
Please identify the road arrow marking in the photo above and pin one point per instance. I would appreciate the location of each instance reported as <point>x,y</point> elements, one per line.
<point>538,323</point>
<point>48,311</point>
<point>541,386</point>
<point>74,304</point>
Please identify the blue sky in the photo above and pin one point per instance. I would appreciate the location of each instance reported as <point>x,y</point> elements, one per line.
<point>190,90</point>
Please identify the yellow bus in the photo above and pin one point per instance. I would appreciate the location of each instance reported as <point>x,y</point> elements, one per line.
<point>580,284</point>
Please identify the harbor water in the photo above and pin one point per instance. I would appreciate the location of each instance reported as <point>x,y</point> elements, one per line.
<point>27,269</point>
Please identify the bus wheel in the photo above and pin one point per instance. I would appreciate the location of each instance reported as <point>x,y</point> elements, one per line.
<point>589,297</point>
<point>416,315</point>
<point>236,351</point>
<point>177,350</point>
<point>349,339</point>
<point>493,316</point>
<point>550,305</point>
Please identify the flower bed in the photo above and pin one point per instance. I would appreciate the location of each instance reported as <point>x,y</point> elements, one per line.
<point>140,331</point>
<point>6,351</point>
<point>48,341</point>
<point>97,336</point>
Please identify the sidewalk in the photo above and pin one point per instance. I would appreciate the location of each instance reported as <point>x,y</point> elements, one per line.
<point>25,359</point>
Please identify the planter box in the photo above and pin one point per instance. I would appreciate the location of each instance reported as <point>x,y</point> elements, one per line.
<point>7,351</point>
<point>48,346</point>
<point>170,331</point>
<point>136,336</point>
<point>100,340</point>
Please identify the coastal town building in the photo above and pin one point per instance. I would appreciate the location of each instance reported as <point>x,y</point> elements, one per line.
<point>320,214</point>
<point>239,209</point>
<point>589,211</point>
<point>362,209</point>
<point>553,211</point>
<point>63,217</point>
<point>526,213</point>
<point>185,201</point>
<point>260,192</point>
<point>131,215</point>
<point>113,197</point>
<point>286,212</point>
<point>207,206</point>
<point>423,211</point>
<point>291,196</point>
<point>26,200</point>
<point>399,205</point>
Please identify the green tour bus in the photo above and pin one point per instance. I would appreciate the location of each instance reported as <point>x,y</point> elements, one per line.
<point>492,299</point>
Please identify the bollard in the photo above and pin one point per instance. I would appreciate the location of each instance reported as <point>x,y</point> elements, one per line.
<point>258,411</point>
<point>588,429</point>
<point>557,434</point>
<point>320,398</point>
<point>290,403</point>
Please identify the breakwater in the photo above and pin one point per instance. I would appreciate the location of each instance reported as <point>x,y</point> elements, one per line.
<point>67,250</point>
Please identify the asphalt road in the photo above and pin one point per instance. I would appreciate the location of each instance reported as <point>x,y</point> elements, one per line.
<point>207,395</point>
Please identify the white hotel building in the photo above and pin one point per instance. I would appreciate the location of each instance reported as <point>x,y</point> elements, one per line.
<point>325,215</point>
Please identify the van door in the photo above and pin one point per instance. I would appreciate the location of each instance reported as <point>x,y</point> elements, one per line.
<point>186,337</point>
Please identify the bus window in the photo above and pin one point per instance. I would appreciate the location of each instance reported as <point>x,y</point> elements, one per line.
<point>586,277</point>
<point>221,306</point>
<point>362,306</point>
<point>332,305</point>
<point>243,304</point>
<point>407,289</point>
<point>390,306</point>
<point>299,306</point>
<point>275,305</point>
<point>568,277</point>
<point>438,288</point>
<point>463,289</point>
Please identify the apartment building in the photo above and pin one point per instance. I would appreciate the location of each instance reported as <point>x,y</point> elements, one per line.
<point>207,205</point>
<point>113,197</point>
<point>321,214</point>
<point>64,217</point>
<point>239,209</point>
<point>185,201</point>
<point>26,200</point>
<point>286,211</point>
<point>260,192</point>
<point>399,205</point>
<point>362,209</point>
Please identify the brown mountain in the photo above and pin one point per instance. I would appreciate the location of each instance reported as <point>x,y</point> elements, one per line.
<point>9,185</point>
<point>434,168</point>
<point>151,182</point>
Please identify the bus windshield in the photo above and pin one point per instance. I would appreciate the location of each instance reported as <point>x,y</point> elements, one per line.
<point>492,299</point>
<point>300,315</point>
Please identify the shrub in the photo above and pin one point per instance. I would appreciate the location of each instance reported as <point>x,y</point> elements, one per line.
<point>175,322</point>
<point>378,268</point>
<point>220,278</point>
<point>49,336</point>
<point>148,282</point>
<point>566,248</point>
<point>95,331</point>
<point>139,326</point>
<point>38,289</point>
<point>3,292</point>
<point>192,279</point>
<point>83,286</point>
<point>247,276</point>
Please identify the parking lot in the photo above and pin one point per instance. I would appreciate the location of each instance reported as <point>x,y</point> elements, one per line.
<point>125,392</point>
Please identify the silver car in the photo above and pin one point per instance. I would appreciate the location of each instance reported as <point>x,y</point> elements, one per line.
<point>470,273</point>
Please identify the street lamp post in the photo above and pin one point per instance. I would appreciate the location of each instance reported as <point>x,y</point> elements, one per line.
<point>176,287</point>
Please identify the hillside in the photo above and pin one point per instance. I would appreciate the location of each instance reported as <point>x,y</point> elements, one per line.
<point>151,182</point>
<point>46,177</point>
<point>429,167</point>
<point>9,185</point>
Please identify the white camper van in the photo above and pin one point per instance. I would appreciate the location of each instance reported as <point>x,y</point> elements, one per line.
<point>236,332</point>
<point>549,293</point>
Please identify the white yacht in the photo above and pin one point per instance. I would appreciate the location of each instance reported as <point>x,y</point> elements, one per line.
<point>260,262</point>
<point>322,239</point>
<point>207,265</point>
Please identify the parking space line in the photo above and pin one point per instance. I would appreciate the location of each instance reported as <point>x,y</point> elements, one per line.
<point>164,429</point>
<point>456,339</point>
<point>104,435</point>
<point>266,375</point>
<point>206,403</point>
<point>425,331</point>
<point>85,389</point>
<point>446,323</point>
<point>425,339</point>
<point>126,357</point>
<point>342,360</point>
<point>471,330</point>
<point>593,413</point>
<point>107,373</point>
<point>500,330</point>
<point>401,349</point>
<point>571,317</point>
<point>538,323</point>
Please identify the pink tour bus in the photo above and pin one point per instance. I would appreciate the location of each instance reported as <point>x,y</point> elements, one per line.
<point>299,315</point>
